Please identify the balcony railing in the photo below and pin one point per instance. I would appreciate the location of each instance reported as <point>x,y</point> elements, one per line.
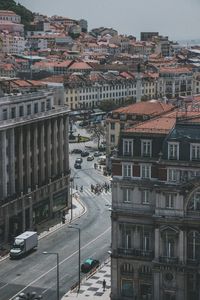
<point>168,260</point>
<point>136,252</point>
<point>193,262</point>
<point>130,208</point>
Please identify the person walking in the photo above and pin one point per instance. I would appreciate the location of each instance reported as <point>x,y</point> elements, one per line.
<point>104,285</point>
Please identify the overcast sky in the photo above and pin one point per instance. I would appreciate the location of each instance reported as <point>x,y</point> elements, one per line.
<point>178,19</point>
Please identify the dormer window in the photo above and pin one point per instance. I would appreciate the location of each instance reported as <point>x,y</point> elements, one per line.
<point>173,151</point>
<point>122,117</point>
<point>146,148</point>
<point>127,147</point>
<point>195,151</point>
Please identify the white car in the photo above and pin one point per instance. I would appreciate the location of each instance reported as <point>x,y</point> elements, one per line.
<point>90,158</point>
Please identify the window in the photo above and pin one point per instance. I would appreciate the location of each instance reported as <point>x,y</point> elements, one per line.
<point>43,106</point>
<point>127,288</point>
<point>127,170</point>
<point>169,246</point>
<point>21,111</point>
<point>112,138</point>
<point>48,104</point>
<point>195,152</point>
<point>126,195</point>
<point>173,151</point>
<point>145,196</point>
<point>125,236</point>
<point>194,203</point>
<point>35,108</point>
<point>173,175</point>
<point>112,126</point>
<point>5,114</point>
<point>146,148</point>
<point>127,147</point>
<point>169,200</point>
<point>145,171</point>
<point>29,109</point>
<point>13,112</point>
<point>193,245</point>
<point>146,241</point>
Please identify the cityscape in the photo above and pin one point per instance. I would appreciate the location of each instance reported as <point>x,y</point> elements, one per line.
<point>99,161</point>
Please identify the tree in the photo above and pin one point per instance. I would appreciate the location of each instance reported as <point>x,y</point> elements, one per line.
<point>98,132</point>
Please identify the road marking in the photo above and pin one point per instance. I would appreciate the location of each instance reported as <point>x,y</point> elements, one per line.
<point>67,258</point>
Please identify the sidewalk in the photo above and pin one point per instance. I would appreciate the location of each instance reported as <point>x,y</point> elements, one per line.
<point>92,286</point>
<point>51,226</point>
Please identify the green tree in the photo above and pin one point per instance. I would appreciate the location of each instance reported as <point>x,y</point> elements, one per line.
<point>98,132</point>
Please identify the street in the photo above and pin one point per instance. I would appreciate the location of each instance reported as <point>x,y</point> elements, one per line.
<point>37,272</point>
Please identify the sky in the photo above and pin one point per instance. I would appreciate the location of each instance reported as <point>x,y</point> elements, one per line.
<point>178,19</point>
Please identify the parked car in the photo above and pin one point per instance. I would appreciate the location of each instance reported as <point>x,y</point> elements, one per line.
<point>77,166</point>
<point>97,153</point>
<point>84,123</point>
<point>89,264</point>
<point>76,151</point>
<point>84,153</point>
<point>79,160</point>
<point>90,158</point>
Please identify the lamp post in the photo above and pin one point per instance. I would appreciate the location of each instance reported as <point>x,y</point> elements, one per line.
<point>79,255</point>
<point>57,255</point>
<point>71,196</point>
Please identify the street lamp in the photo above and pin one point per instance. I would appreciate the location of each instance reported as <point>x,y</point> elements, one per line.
<point>28,296</point>
<point>55,253</point>
<point>79,254</point>
<point>71,195</point>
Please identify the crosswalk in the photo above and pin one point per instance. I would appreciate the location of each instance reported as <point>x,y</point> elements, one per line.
<point>87,191</point>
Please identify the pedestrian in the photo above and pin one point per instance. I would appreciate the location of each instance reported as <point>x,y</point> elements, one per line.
<point>104,285</point>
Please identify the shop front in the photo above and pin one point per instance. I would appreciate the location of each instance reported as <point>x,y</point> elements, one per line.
<point>60,200</point>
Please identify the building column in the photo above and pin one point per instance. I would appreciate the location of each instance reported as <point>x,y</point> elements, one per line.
<point>156,288</point>
<point>60,146</point>
<point>31,212</point>
<point>157,243</point>
<point>7,225</point>
<point>11,161</point>
<point>28,157</point>
<point>41,153</point>
<point>66,145</point>
<point>181,246</point>
<point>20,160</point>
<point>54,145</point>
<point>23,214</point>
<point>48,149</point>
<point>35,155</point>
<point>3,165</point>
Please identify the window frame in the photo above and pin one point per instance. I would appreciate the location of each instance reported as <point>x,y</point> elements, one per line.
<point>142,170</point>
<point>175,154</point>
<point>143,142</point>
<point>126,165</point>
<point>129,147</point>
<point>196,145</point>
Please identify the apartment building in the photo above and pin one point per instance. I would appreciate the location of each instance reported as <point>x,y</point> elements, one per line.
<point>155,210</point>
<point>125,117</point>
<point>34,164</point>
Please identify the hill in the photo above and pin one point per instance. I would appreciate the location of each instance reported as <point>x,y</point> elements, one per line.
<point>26,15</point>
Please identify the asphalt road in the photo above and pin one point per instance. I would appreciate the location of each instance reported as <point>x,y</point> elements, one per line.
<point>37,272</point>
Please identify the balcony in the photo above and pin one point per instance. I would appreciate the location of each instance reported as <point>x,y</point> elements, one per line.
<point>139,253</point>
<point>168,260</point>
<point>193,262</point>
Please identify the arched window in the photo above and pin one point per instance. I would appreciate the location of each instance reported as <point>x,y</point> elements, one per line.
<point>194,203</point>
<point>193,245</point>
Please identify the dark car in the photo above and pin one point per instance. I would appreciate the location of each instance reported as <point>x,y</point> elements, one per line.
<point>79,160</point>
<point>90,158</point>
<point>76,151</point>
<point>89,264</point>
<point>77,166</point>
<point>84,153</point>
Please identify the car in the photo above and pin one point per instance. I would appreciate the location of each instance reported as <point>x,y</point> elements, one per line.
<point>97,153</point>
<point>90,158</point>
<point>77,166</point>
<point>79,160</point>
<point>84,153</point>
<point>84,123</point>
<point>89,264</point>
<point>76,151</point>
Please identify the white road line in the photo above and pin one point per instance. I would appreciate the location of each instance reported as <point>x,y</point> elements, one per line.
<point>67,258</point>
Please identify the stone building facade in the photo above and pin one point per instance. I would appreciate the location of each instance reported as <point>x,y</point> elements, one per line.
<point>34,164</point>
<point>156,210</point>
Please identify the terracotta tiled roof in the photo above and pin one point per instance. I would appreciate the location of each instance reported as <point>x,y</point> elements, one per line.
<point>80,66</point>
<point>151,108</point>
<point>161,125</point>
<point>174,70</point>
